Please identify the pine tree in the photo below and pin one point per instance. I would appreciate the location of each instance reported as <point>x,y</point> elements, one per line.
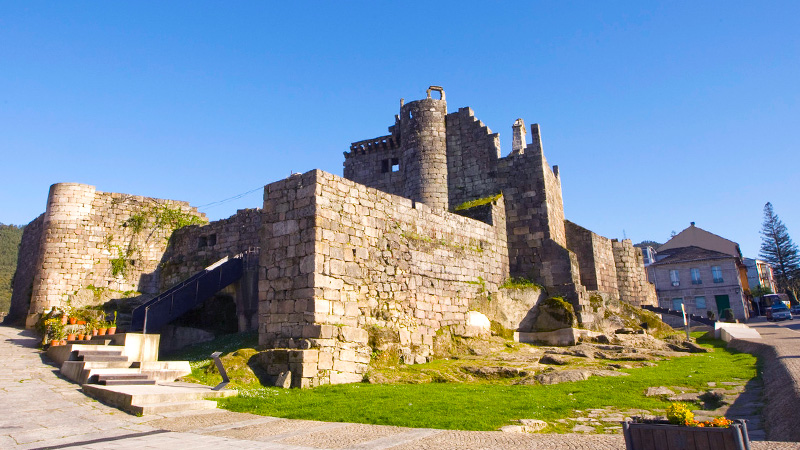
<point>778,250</point>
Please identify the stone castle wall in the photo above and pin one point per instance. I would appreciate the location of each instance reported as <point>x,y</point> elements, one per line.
<point>339,257</point>
<point>631,275</point>
<point>598,270</point>
<point>22,283</point>
<point>537,235</point>
<point>372,162</point>
<point>196,247</point>
<point>472,154</point>
<point>90,245</point>
<point>424,157</point>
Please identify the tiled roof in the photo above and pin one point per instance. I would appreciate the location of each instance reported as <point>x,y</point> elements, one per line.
<point>687,254</point>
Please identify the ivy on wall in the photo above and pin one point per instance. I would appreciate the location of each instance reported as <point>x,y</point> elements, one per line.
<point>152,220</point>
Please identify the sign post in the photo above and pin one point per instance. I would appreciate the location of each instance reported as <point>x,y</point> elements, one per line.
<point>686,321</point>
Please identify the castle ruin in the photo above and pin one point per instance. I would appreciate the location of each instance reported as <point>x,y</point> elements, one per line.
<point>427,224</point>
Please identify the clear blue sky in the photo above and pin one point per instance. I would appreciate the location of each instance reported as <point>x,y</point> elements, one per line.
<point>657,114</point>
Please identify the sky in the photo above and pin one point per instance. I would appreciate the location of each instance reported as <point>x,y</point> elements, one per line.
<point>657,114</point>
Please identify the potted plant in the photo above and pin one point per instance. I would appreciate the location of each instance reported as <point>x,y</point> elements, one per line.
<point>682,431</point>
<point>91,327</point>
<point>54,330</point>
<point>112,326</point>
<point>102,327</point>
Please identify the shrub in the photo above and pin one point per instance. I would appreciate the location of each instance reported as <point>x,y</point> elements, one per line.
<point>727,315</point>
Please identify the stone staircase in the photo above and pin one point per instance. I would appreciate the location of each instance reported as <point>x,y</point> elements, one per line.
<point>123,370</point>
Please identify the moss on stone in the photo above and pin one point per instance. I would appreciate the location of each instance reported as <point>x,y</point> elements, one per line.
<point>499,330</point>
<point>520,283</point>
<point>478,202</point>
<point>555,313</point>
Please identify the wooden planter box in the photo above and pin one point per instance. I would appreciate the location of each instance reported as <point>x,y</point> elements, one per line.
<point>658,436</point>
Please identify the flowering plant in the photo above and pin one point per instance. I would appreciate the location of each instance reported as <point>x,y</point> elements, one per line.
<point>680,414</point>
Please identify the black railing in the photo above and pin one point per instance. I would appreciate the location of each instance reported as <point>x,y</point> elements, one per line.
<point>181,298</point>
<point>672,312</point>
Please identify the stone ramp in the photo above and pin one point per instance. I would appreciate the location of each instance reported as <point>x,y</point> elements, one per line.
<point>780,355</point>
<point>159,398</point>
<point>730,331</point>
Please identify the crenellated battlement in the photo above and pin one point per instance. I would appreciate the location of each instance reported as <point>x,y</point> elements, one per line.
<point>390,142</point>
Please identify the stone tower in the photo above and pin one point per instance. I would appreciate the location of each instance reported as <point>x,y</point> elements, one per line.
<point>424,150</point>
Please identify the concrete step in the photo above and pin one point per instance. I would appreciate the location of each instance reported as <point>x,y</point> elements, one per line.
<point>168,407</point>
<point>133,398</point>
<point>81,371</point>
<point>67,352</point>
<point>102,350</point>
<point>165,370</point>
<point>102,356</point>
<point>121,376</point>
<point>128,382</point>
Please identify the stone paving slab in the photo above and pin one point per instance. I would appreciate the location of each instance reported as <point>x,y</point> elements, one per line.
<point>40,410</point>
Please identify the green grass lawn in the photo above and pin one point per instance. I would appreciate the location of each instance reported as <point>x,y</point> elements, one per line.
<point>483,405</point>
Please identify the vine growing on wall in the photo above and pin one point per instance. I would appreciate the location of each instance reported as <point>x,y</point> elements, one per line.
<point>151,220</point>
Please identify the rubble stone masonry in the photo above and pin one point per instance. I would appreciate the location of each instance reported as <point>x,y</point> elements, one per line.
<point>83,232</point>
<point>595,258</point>
<point>338,258</point>
<point>631,275</point>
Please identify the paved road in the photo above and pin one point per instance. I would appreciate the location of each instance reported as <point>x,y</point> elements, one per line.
<point>40,410</point>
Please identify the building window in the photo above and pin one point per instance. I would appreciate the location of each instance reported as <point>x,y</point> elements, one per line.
<point>202,241</point>
<point>674,277</point>
<point>212,240</point>
<point>716,273</point>
<point>390,165</point>
<point>676,303</point>
<point>700,303</point>
<point>696,276</point>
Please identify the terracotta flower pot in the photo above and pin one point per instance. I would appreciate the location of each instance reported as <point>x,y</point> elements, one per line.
<point>94,331</point>
<point>81,336</point>
<point>55,343</point>
<point>73,320</point>
<point>111,330</point>
<point>63,320</point>
<point>102,331</point>
<point>81,322</point>
<point>71,337</point>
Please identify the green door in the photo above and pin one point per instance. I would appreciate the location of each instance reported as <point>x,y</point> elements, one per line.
<point>723,303</point>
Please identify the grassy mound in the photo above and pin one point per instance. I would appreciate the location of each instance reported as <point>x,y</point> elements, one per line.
<point>488,405</point>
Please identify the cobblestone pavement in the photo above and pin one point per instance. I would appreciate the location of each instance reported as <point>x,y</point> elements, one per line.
<point>40,410</point>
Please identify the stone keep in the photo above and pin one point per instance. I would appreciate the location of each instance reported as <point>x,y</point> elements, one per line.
<point>426,225</point>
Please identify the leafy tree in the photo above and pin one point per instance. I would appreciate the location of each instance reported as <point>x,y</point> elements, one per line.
<point>647,243</point>
<point>779,251</point>
<point>760,291</point>
<point>10,237</point>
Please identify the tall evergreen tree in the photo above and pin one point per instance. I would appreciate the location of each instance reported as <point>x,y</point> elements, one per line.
<point>779,251</point>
